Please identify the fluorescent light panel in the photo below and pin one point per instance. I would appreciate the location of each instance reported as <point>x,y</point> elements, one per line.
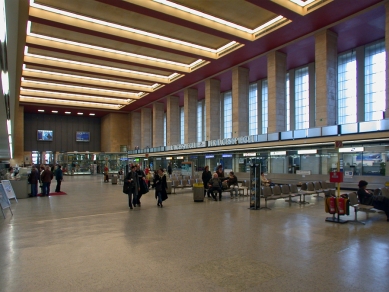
<point>68,113</point>
<point>54,112</point>
<point>302,3</point>
<point>88,78</point>
<point>9,128</point>
<point>42,111</point>
<point>55,94</point>
<point>307,151</point>
<point>78,87</point>
<point>5,81</point>
<point>95,65</point>
<point>351,149</point>
<point>121,27</point>
<point>218,20</point>
<point>67,102</point>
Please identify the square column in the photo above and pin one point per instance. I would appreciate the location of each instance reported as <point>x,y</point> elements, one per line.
<point>134,130</point>
<point>145,127</point>
<point>276,78</point>
<point>387,58</point>
<point>240,96</point>
<point>158,113</point>
<point>326,59</point>
<point>190,115</point>
<point>173,121</point>
<point>114,132</point>
<point>18,137</point>
<point>212,109</point>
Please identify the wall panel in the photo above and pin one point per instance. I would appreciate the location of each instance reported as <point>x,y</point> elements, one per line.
<point>64,128</point>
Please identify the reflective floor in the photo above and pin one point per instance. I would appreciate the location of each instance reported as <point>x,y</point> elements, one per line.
<point>89,240</point>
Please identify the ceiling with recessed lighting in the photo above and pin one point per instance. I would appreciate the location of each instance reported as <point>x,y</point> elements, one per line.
<point>102,56</point>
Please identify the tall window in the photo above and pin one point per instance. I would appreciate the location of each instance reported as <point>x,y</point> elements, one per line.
<point>347,88</point>
<point>287,102</point>
<point>200,121</point>
<point>375,64</point>
<point>182,125</point>
<point>265,107</point>
<point>227,116</point>
<point>164,129</point>
<point>302,98</point>
<point>253,109</point>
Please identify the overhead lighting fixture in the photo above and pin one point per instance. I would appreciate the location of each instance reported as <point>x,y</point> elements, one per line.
<point>9,128</point>
<point>80,114</point>
<point>92,114</point>
<point>3,22</point>
<point>42,111</point>
<point>40,36</point>
<point>219,20</point>
<point>302,3</point>
<point>5,81</point>
<point>120,27</point>
<point>351,149</point>
<point>68,113</point>
<point>26,53</point>
<point>62,102</point>
<point>307,151</point>
<point>80,87</point>
<point>90,78</point>
<point>80,97</point>
<point>54,112</point>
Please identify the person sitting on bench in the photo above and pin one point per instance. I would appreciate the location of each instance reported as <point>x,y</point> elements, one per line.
<point>367,198</point>
<point>264,181</point>
<point>215,185</point>
<point>231,182</point>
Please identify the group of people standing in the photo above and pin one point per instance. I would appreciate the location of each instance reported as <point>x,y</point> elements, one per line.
<point>44,176</point>
<point>136,185</point>
<point>214,182</point>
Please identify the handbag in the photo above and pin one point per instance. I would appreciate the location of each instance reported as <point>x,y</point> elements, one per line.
<point>126,188</point>
<point>144,187</point>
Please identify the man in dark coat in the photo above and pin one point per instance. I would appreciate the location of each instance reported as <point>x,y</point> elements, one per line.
<point>58,178</point>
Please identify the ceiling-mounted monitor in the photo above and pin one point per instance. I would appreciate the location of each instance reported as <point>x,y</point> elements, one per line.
<point>45,135</point>
<point>82,136</point>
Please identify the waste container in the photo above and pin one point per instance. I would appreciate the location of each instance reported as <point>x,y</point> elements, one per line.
<point>198,192</point>
<point>115,179</point>
<point>169,187</point>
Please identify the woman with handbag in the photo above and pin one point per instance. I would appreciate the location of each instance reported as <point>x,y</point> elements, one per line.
<point>131,186</point>
<point>160,187</point>
<point>142,184</point>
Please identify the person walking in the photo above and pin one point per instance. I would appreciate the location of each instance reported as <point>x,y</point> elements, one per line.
<point>133,181</point>
<point>206,177</point>
<point>160,187</point>
<point>33,179</point>
<point>58,178</point>
<point>46,178</point>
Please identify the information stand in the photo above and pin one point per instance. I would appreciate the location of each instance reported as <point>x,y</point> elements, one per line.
<point>9,190</point>
<point>255,187</point>
<point>4,201</point>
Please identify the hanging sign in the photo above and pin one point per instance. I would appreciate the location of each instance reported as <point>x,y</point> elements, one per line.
<point>336,176</point>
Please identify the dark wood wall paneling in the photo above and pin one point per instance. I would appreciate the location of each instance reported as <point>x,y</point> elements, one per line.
<point>64,133</point>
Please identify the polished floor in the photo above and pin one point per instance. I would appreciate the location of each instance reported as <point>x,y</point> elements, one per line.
<point>89,240</point>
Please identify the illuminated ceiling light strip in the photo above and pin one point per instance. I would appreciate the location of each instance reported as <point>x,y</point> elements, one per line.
<point>104,49</point>
<point>302,3</point>
<point>69,95</point>
<point>120,27</point>
<point>93,65</point>
<point>9,128</point>
<point>88,78</point>
<point>5,81</point>
<point>78,87</point>
<point>67,102</point>
<point>3,22</point>
<point>216,19</point>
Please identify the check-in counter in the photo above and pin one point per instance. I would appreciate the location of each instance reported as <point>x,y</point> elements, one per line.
<point>21,188</point>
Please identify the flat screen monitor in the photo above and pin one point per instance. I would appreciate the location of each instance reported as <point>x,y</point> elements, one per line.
<point>45,135</point>
<point>82,136</point>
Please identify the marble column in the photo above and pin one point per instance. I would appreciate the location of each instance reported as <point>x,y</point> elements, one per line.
<point>173,121</point>
<point>190,115</point>
<point>326,60</point>
<point>145,127</point>
<point>135,137</point>
<point>276,78</point>
<point>240,93</point>
<point>212,109</point>
<point>158,130</point>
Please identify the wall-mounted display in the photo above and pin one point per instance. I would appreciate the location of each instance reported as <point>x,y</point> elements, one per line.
<point>82,136</point>
<point>45,135</point>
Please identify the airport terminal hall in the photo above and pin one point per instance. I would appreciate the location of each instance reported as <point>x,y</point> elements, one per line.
<point>194,145</point>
